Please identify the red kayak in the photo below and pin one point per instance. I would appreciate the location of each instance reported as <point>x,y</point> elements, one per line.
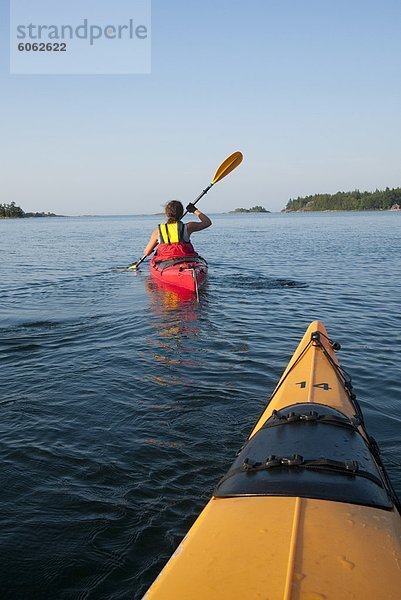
<point>187,273</point>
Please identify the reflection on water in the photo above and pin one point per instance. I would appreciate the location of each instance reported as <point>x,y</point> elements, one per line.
<point>175,318</point>
<point>161,443</point>
<point>174,315</point>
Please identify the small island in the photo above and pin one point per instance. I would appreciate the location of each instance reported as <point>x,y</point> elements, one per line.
<point>12,211</point>
<point>388,199</point>
<point>254,209</point>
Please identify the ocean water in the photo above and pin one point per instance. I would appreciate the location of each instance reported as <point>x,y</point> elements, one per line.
<point>122,405</point>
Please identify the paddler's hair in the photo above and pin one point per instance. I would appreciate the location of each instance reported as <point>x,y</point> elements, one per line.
<point>174,211</point>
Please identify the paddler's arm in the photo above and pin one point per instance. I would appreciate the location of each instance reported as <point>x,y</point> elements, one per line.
<point>204,221</point>
<point>152,243</point>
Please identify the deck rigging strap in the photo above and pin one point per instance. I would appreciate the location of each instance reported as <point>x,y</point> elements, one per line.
<point>325,465</point>
<point>278,418</point>
<point>179,259</point>
<point>341,373</point>
<point>346,381</point>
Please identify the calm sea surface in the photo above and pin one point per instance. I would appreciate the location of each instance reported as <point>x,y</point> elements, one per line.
<point>121,405</point>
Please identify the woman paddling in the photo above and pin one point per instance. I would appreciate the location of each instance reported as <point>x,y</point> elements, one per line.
<point>173,237</point>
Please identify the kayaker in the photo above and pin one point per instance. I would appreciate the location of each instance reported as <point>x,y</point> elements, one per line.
<point>173,237</point>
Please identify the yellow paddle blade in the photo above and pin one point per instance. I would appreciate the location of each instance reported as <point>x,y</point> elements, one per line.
<point>227,166</point>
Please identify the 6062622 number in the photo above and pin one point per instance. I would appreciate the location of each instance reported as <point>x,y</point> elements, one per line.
<point>42,47</point>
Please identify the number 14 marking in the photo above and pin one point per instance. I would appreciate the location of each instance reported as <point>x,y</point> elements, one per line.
<point>323,386</point>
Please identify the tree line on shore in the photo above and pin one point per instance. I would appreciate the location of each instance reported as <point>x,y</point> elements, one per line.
<point>12,211</point>
<point>356,200</point>
<point>253,209</point>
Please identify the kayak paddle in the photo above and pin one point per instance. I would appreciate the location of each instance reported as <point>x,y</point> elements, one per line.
<point>224,169</point>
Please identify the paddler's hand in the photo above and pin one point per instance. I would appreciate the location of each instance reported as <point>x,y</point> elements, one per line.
<point>191,208</point>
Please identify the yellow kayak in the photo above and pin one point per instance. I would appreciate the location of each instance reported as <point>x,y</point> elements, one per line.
<point>306,511</point>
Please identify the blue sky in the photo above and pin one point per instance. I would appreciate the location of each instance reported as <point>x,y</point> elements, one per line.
<point>309,91</point>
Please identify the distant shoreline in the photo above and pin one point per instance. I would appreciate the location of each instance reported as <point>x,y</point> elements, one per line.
<point>32,216</point>
<point>388,199</point>
<point>247,212</point>
<point>334,210</point>
<point>277,212</point>
<point>253,209</point>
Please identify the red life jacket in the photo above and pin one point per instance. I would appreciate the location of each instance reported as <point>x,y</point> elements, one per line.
<point>172,243</point>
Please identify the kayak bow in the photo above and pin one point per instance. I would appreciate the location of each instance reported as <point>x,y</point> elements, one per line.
<point>306,510</point>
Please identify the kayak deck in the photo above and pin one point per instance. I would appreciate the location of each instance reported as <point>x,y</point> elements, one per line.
<point>185,273</point>
<point>267,532</point>
<point>312,375</point>
<point>285,548</point>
